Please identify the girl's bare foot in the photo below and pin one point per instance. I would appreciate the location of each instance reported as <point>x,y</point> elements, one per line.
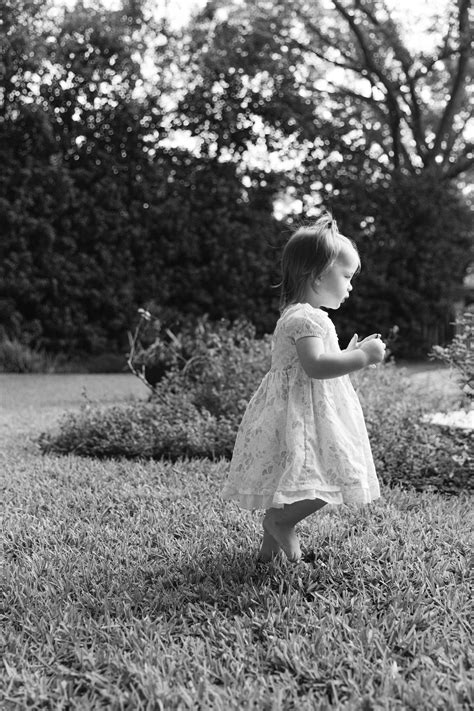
<point>284,535</point>
<point>269,548</point>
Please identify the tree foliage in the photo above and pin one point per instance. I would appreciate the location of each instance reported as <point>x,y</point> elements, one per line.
<point>98,217</point>
<point>117,191</point>
<point>350,115</point>
<point>72,141</point>
<point>301,68</point>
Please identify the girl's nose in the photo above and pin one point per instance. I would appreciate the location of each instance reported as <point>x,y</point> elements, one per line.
<point>350,288</point>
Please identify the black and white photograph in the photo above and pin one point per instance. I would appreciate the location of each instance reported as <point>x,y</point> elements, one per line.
<point>236,355</point>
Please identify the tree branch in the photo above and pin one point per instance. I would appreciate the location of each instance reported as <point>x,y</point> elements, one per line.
<point>391,97</point>
<point>406,61</point>
<point>445,52</point>
<point>342,90</point>
<point>460,166</point>
<point>465,41</point>
<point>455,136</point>
<point>463,162</point>
<point>428,66</point>
<point>334,62</point>
<point>330,43</point>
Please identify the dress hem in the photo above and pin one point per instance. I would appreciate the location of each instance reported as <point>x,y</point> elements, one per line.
<point>278,500</point>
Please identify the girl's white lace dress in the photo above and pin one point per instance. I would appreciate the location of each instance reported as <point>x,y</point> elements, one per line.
<point>301,438</point>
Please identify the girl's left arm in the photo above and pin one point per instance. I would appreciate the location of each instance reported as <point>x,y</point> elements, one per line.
<point>321,365</point>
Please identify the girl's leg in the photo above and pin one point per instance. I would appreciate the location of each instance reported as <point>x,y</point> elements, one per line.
<point>280,524</point>
<point>269,548</point>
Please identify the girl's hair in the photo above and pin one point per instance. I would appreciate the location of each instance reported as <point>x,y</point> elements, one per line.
<point>307,254</point>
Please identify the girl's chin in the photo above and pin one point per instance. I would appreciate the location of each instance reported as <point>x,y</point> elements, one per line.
<point>336,303</point>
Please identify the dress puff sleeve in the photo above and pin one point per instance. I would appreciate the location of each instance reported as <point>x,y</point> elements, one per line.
<point>306,321</point>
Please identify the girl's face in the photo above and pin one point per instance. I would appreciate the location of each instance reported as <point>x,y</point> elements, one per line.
<point>333,286</point>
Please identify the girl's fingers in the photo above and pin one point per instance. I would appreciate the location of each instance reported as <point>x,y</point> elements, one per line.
<point>370,338</point>
<point>353,342</point>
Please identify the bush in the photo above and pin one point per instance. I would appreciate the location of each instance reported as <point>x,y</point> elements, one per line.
<point>195,412</point>
<point>415,247</point>
<point>16,357</point>
<point>169,429</point>
<point>407,450</point>
<point>202,351</point>
<point>225,369</point>
<point>459,354</point>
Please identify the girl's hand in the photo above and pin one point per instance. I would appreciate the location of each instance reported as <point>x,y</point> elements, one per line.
<point>369,338</point>
<point>374,348</point>
<point>355,343</point>
<point>352,343</point>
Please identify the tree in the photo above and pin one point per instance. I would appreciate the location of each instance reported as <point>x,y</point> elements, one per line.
<point>297,66</point>
<point>360,120</point>
<point>115,191</point>
<point>212,245</point>
<point>76,130</point>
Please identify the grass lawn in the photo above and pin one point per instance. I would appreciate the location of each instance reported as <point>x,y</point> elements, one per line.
<point>130,585</point>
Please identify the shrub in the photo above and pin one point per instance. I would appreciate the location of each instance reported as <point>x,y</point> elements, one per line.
<point>406,449</point>
<point>225,369</point>
<point>170,429</point>
<point>201,349</point>
<point>195,412</point>
<point>459,354</point>
<point>154,348</point>
<point>16,357</point>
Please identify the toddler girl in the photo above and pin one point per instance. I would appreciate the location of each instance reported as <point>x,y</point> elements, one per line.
<point>302,442</point>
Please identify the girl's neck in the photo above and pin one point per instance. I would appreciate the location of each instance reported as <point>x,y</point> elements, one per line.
<point>310,297</point>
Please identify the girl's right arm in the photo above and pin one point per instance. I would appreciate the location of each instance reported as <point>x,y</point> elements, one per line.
<point>321,366</point>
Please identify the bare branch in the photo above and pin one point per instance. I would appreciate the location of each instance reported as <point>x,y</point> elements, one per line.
<point>460,166</point>
<point>391,96</point>
<point>334,62</point>
<point>330,43</point>
<point>445,52</point>
<point>454,137</point>
<point>364,46</point>
<point>406,62</point>
<point>392,37</point>
<point>463,161</point>
<point>349,65</point>
<point>406,156</point>
<point>465,41</point>
<point>344,90</point>
<point>428,65</point>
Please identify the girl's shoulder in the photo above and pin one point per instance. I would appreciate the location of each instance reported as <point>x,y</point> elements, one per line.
<point>303,319</point>
<point>296,312</point>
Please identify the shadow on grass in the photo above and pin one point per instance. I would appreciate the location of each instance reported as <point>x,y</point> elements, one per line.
<point>214,579</point>
<point>232,582</point>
